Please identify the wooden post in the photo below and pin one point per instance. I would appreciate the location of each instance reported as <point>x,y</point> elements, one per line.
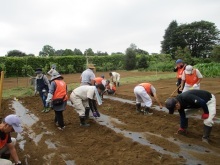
<point>1,89</point>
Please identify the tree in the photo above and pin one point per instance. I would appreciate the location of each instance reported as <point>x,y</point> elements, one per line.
<point>142,62</point>
<point>167,44</point>
<point>184,54</point>
<point>89,52</point>
<point>133,46</point>
<point>47,50</point>
<point>59,52</point>
<point>15,53</point>
<point>68,52</point>
<point>77,52</point>
<point>198,37</point>
<point>99,53</point>
<point>215,55</point>
<point>130,58</point>
<point>140,51</point>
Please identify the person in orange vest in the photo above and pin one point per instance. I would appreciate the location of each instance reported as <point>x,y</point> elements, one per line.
<point>191,78</point>
<point>100,80</point>
<point>110,88</point>
<point>180,67</point>
<point>57,96</point>
<point>11,123</point>
<point>142,93</point>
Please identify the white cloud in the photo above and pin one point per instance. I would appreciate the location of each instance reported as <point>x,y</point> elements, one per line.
<point>104,25</point>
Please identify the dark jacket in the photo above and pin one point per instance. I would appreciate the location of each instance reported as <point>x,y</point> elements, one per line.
<point>192,99</point>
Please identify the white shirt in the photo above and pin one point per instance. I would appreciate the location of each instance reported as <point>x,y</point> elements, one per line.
<point>85,92</point>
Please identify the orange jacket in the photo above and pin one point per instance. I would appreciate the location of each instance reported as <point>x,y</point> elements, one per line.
<point>147,87</point>
<point>3,142</point>
<point>113,87</point>
<point>98,80</point>
<point>180,72</point>
<point>191,79</point>
<point>60,91</point>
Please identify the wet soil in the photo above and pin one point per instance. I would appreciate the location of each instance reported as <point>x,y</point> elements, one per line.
<point>99,144</point>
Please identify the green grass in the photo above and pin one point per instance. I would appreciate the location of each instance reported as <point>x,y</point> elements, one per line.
<point>17,92</point>
<point>138,79</point>
<point>29,91</point>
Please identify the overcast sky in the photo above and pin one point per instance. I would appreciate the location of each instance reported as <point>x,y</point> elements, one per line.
<point>103,25</point>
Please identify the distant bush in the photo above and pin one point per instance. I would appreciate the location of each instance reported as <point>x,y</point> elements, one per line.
<point>209,69</point>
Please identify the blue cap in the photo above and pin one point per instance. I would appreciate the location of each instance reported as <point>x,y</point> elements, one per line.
<point>179,61</point>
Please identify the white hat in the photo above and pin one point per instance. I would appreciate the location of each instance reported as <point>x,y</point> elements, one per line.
<point>188,69</point>
<point>14,121</point>
<point>55,75</point>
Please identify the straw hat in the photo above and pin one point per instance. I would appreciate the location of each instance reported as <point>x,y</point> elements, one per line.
<point>90,66</point>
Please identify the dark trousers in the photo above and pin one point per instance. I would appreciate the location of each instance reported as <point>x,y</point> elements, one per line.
<point>177,84</point>
<point>59,118</point>
<point>43,98</point>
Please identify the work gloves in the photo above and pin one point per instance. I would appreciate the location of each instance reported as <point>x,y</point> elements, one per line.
<point>96,114</point>
<point>49,99</point>
<point>205,116</point>
<point>195,86</point>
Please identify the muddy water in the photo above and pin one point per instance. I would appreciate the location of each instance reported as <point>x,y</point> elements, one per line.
<point>28,119</point>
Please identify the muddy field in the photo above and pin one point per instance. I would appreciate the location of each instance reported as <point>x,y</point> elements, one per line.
<point>119,136</point>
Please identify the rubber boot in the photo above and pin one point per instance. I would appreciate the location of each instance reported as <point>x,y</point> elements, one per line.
<point>118,84</point>
<point>43,110</point>
<point>147,111</point>
<point>47,109</point>
<point>83,121</point>
<point>138,107</point>
<point>206,133</point>
<point>87,110</point>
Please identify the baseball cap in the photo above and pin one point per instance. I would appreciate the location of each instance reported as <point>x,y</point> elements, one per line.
<point>188,69</point>
<point>14,121</point>
<point>179,61</point>
<point>170,104</point>
<point>38,70</point>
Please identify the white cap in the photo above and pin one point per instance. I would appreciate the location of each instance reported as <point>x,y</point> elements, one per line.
<point>14,121</point>
<point>188,69</point>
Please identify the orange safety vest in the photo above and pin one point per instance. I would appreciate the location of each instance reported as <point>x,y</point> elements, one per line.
<point>113,87</point>
<point>191,79</point>
<point>180,72</point>
<point>147,88</point>
<point>60,91</point>
<point>3,142</point>
<point>98,80</point>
